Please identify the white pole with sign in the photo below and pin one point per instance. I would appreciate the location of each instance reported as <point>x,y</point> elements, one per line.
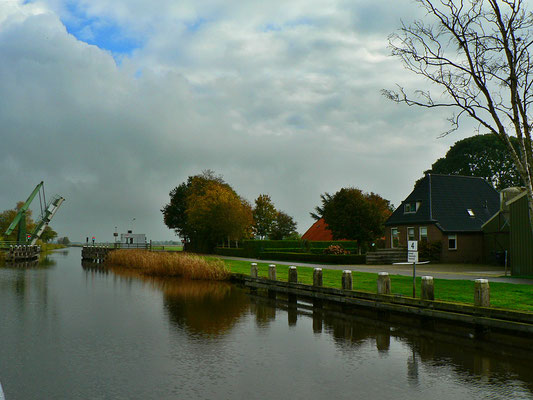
<point>412,257</point>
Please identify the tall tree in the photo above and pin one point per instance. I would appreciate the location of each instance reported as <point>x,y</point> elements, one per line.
<point>284,226</point>
<point>352,214</point>
<point>264,215</point>
<point>217,213</point>
<point>175,212</point>
<point>484,156</point>
<point>478,54</point>
<point>205,210</point>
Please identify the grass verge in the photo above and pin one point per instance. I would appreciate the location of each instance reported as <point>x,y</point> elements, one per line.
<point>503,295</point>
<point>169,264</point>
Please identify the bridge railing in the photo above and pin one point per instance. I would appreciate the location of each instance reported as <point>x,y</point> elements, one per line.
<point>6,244</point>
<point>118,245</point>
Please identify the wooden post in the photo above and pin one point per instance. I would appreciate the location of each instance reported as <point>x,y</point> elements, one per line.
<point>272,272</point>
<point>254,270</point>
<point>427,291</point>
<point>293,274</point>
<point>481,293</point>
<point>384,286</point>
<point>317,277</point>
<point>347,283</point>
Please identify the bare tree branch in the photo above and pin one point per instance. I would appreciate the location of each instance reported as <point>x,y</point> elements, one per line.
<point>478,53</point>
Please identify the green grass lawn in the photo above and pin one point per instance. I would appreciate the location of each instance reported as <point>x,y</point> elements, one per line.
<point>502,295</point>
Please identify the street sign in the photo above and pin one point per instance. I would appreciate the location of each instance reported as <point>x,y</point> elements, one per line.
<point>412,257</point>
<point>412,245</point>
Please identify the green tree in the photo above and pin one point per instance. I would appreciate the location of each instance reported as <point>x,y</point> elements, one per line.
<point>264,215</point>
<point>484,156</point>
<point>218,213</point>
<point>283,227</point>
<point>352,214</point>
<point>205,211</point>
<point>477,54</point>
<point>175,212</point>
<point>64,240</point>
<point>48,234</point>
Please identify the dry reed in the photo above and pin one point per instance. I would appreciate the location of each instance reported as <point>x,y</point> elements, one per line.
<point>169,264</point>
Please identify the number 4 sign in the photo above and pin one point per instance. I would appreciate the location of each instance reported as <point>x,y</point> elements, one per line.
<point>412,245</point>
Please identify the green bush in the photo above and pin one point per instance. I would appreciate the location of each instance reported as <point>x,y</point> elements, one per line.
<point>233,252</point>
<point>314,258</point>
<point>430,251</point>
<point>325,244</point>
<point>253,248</point>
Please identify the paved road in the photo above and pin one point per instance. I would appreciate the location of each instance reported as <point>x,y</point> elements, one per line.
<point>437,271</point>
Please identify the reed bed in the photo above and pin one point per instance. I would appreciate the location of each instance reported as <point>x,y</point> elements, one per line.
<point>170,264</point>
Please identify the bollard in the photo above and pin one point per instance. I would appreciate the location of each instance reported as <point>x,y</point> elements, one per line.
<point>253,270</point>
<point>427,291</point>
<point>317,277</point>
<point>383,283</point>
<point>272,272</point>
<point>347,283</point>
<point>293,274</point>
<point>481,293</point>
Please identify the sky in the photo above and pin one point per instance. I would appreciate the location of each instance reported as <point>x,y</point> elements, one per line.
<point>113,104</point>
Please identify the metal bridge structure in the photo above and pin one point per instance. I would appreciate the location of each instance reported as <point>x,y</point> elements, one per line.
<point>48,210</point>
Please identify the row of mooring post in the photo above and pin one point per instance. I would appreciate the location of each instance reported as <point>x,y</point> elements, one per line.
<point>481,286</point>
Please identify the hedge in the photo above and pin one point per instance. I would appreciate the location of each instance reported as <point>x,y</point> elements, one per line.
<point>253,248</point>
<point>314,258</point>
<point>230,252</point>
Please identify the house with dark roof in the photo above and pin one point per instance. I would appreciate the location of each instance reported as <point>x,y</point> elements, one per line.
<point>449,209</point>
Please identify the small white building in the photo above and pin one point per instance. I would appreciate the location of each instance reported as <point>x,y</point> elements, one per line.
<point>132,238</point>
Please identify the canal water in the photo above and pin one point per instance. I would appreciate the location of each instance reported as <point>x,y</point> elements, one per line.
<point>73,332</point>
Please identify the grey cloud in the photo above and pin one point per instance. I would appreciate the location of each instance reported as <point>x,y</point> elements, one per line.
<point>301,117</point>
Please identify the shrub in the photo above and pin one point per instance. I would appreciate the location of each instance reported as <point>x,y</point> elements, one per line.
<point>230,252</point>
<point>336,249</point>
<point>430,250</point>
<point>315,258</point>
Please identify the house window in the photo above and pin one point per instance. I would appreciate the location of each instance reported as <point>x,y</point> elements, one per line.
<point>411,234</point>
<point>470,213</point>
<point>423,234</point>
<point>395,237</point>
<point>452,242</point>
<point>410,207</point>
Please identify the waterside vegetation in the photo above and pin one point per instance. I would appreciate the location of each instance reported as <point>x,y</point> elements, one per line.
<point>170,264</point>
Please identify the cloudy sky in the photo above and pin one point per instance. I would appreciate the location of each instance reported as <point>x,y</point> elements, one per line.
<point>114,103</point>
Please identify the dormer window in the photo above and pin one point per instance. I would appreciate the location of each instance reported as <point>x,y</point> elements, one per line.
<point>470,213</point>
<point>411,207</point>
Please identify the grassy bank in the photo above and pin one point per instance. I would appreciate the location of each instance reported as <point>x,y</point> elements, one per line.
<point>169,264</point>
<point>45,247</point>
<point>503,295</point>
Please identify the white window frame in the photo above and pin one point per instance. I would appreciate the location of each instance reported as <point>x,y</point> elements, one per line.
<point>454,237</point>
<point>414,233</point>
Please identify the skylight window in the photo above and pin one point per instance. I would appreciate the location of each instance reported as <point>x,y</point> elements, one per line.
<point>470,212</point>
<point>411,207</point>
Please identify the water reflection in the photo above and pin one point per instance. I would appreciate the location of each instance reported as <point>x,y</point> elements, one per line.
<point>201,307</point>
<point>204,308</point>
<point>212,309</point>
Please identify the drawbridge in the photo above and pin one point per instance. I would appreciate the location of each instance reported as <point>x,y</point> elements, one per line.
<point>48,210</point>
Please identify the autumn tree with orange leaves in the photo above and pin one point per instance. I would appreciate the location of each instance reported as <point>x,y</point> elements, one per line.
<point>206,211</point>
